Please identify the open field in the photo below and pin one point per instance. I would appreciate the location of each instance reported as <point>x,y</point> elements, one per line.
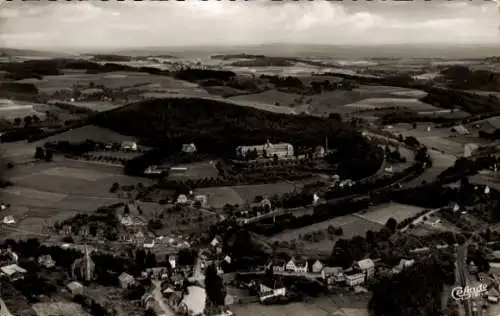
<point>90,132</point>
<point>239,194</point>
<point>199,170</point>
<point>113,80</point>
<point>249,192</point>
<point>373,103</point>
<point>345,305</point>
<point>60,308</point>
<point>219,196</point>
<point>10,109</point>
<point>350,224</point>
<point>270,96</point>
<point>67,177</point>
<point>381,213</point>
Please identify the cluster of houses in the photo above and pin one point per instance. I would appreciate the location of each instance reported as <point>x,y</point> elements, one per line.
<point>361,272</point>
<point>192,200</point>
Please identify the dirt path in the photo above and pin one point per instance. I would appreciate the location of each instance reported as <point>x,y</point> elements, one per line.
<point>159,299</point>
<point>4,311</point>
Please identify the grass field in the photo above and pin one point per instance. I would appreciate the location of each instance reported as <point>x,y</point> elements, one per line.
<point>113,80</point>
<point>372,103</point>
<point>341,305</point>
<point>249,192</point>
<point>380,214</point>
<point>60,308</point>
<point>270,96</point>
<point>218,196</point>
<point>10,109</point>
<point>199,170</point>
<point>350,224</point>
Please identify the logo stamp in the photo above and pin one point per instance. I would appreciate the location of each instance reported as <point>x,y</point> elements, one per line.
<point>460,293</point>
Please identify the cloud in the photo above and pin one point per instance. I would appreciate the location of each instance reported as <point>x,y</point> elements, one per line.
<point>96,25</point>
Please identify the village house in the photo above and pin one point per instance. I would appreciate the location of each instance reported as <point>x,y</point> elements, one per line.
<point>297,265</point>
<point>366,266</point>
<point>182,199</point>
<point>333,275</point>
<point>149,243</point>
<point>46,261</point>
<point>317,267</point>
<point>158,273</point>
<point>126,280</point>
<point>13,272</point>
<point>75,288</point>
<point>200,200</point>
<point>189,148</point>
<point>277,265</point>
<point>129,146</point>
<point>355,279</point>
<point>173,261</point>
<point>9,219</point>
<point>271,288</point>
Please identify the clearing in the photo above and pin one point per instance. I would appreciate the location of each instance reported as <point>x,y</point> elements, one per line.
<point>59,308</point>
<point>195,171</point>
<point>381,213</point>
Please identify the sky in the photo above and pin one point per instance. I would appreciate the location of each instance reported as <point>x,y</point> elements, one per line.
<point>96,24</point>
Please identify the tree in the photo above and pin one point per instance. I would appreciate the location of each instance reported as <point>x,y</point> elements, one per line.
<point>39,153</point>
<point>28,120</point>
<point>214,287</point>
<point>391,224</point>
<point>35,118</point>
<point>48,155</point>
<point>17,121</point>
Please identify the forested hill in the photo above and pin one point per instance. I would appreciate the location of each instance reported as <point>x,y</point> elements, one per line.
<point>218,127</point>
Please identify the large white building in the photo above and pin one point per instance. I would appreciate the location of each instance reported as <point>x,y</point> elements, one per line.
<point>267,150</point>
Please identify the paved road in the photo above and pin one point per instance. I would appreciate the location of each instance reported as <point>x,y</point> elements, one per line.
<point>461,266</point>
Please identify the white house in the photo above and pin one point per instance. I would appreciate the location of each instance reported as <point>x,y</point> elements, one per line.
<point>13,271</point>
<point>202,199</point>
<point>189,148</point>
<point>172,260</point>
<point>317,267</point>
<point>182,199</point>
<point>215,242</point>
<point>271,289</point>
<point>366,266</point>
<point>355,279</point>
<point>278,265</point>
<point>126,280</point>
<point>129,145</point>
<point>333,274</point>
<point>9,219</point>
<point>297,265</point>
<point>149,243</point>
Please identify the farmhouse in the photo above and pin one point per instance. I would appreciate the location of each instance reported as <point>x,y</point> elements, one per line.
<point>173,261</point>
<point>460,130</point>
<point>366,266</point>
<point>355,279</point>
<point>9,219</point>
<point>269,289</point>
<point>75,288</point>
<point>297,265</point>
<point>126,280</point>
<point>201,200</point>
<point>13,272</point>
<point>129,146</point>
<point>182,199</point>
<point>317,267</point>
<point>189,148</point>
<point>46,261</point>
<point>267,150</point>
<point>278,265</point>
<point>333,274</point>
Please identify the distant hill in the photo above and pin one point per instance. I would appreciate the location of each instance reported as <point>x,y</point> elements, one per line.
<point>14,52</point>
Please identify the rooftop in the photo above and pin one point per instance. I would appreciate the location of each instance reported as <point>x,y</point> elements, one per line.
<point>11,269</point>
